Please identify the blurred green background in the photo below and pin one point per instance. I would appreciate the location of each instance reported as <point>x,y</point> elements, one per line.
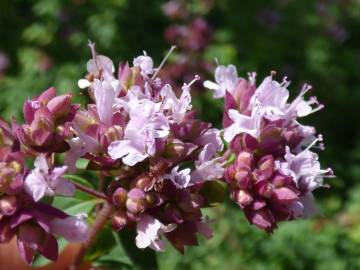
<point>43,43</point>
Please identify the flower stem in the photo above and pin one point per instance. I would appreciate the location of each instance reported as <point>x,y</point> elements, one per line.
<point>90,191</point>
<point>99,223</point>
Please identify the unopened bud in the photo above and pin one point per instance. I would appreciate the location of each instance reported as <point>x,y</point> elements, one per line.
<point>153,199</point>
<point>244,160</point>
<point>136,202</point>
<point>8,205</point>
<point>119,197</point>
<point>266,190</point>
<point>141,182</point>
<point>175,149</point>
<point>60,106</point>
<point>243,198</point>
<point>119,220</point>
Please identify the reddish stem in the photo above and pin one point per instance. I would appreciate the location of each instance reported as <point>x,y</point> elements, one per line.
<point>90,191</point>
<point>99,223</point>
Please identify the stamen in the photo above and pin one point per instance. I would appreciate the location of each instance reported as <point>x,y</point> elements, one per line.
<point>285,83</point>
<point>197,77</point>
<point>173,47</point>
<point>318,108</point>
<point>93,52</point>
<point>318,139</point>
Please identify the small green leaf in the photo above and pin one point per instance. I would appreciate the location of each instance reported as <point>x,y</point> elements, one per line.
<point>104,242</point>
<point>83,207</point>
<point>78,180</point>
<point>116,259</point>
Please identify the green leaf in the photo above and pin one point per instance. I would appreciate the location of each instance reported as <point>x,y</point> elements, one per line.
<point>79,180</point>
<point>104,242</point>
<point>116,259</point>
<point>82,207</point>
<point>142,259</point>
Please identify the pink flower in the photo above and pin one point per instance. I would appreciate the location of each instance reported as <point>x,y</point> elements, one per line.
<point>105,97</point>
<point>145,63</point>
<point>226,79</point>
<point>149,231</point>
<point>177,107</point>
<point>73,228</point>
<point>274,96</point>
<point>45,182</point>
<point>305,169</point>
<point>181,179</point>
<point>244,124</point>
<point>144,127</point>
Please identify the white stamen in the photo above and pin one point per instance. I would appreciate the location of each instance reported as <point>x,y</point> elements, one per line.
<point>173,47</point>
<point>93,52</point>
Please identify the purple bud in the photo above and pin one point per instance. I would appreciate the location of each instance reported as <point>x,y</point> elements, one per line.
<point>136,202</point>
<point>119,197</point>
<point>119,220</point>
<point>176,149</point>
<point>262,218</point>
<point>42,128</point>
<point>265,169</point>
<point>285,195</point>
<point>265,189</point>
<point>141,182</point>
<point>60,106</point>
<point>8,205</point>
<point>154,199</point>
<point>244,160</point>
<point>46,96</point>
<point>242,198</point>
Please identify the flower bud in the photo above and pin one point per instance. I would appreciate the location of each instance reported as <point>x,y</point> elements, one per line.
<point>141,182</point>
<point>119,197</point>
<point>265,189</point>
<point>42,128</point>
<point>136,202</point>
<point>265,169</point>
<point>154,199</point>
<point>119,220</point>
<point>8,205</point>
<point>243,179</point>
<point>46,96</point>
<point>230,173</point>
<point>244,160</point>
<point>176,149</point>
<point>242,198</point>
<point>60,106</point>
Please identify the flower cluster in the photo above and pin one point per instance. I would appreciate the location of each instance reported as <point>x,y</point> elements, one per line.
<point>35,223</point>
<point>274,171</point>
<point>144,136</point>
<point>158,165</point>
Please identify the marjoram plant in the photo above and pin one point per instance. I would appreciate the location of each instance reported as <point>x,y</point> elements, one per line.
<point>157,165</point>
